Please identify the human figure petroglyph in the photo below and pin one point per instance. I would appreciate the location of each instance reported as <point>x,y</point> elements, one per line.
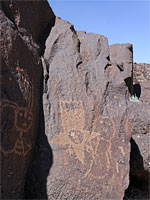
<point>22,122</point>
<point>88,148</point>
<point>17,120</point>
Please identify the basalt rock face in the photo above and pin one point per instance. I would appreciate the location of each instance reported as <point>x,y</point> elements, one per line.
<point>21,73</point>
<point>122,56</point>
<point>140,153</point>
<point>87,120</point>
<point>30,18</point>
<point>85,103</point>
<point>141,81</point>
<point>141,128</point>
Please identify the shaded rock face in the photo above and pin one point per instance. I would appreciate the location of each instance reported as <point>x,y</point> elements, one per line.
<point>138,82</point>
<point>21,73</point>
<point>140,153</point>
<point>141,80</point>
<point>87,120</point>
<point>141,128</point>
<point>139,168</point>
<point>30,18</point>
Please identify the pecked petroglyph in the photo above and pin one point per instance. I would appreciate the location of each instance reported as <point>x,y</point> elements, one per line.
<point>89,149</point>
<point>25,85</point>
<point>21,119</point>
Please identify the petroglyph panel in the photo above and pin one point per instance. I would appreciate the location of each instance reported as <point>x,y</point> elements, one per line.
<point>17,121</point>
<point>72,115</point>
<point>76,149</point>
<point>106,126</point>
<point>25,85</point>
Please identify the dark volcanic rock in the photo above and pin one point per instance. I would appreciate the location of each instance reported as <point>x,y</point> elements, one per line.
<point>138,82</point>
<point>86,114</point>
<point>141,122</point>
<point>122,56</point>
<point>21,73</point>
<point>141,80</point>
<point>140,144</point>
<point>30,18</point>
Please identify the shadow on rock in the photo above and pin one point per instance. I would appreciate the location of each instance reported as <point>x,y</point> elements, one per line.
<point>139,178</point>
<point>42,160</point>
<point>137,90</point>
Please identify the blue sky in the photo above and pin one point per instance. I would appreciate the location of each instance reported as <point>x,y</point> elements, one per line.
<point>120,21</point>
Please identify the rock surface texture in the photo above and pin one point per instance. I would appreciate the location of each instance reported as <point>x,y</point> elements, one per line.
<point>87,120</point>
<point>65,94</point>
<point>141,81</point>
<point>122,56</point>
<point>140,142</point>
<point>21,73</point>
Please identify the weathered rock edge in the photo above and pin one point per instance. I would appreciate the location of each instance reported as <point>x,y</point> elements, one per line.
<point>87,119</point>
<point>21,73</point>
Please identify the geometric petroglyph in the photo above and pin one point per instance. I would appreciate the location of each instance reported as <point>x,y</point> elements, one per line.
<point>91,149</point>
<point>21,119</point>
<point>17,120</point>
<point>21,148</point>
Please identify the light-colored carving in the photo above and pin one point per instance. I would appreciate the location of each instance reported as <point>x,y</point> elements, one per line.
<point>82,143</point>
<point>122,151</point>
<point>25,85</point>
<point>22,116</point>
<point>19,147</point>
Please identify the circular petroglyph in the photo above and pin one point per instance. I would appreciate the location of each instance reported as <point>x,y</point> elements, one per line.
<point>75,136</point>
<point>105,126</point>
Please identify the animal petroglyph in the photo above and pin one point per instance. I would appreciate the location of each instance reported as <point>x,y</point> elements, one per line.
<point>90,149</point>
<point>17,120</point>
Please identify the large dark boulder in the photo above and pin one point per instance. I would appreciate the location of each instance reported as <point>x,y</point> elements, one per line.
<point>141,122</point>
<point>140,151</point>
<point>21,74</point>
<point>87,120</point>
<point>30,18</point>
